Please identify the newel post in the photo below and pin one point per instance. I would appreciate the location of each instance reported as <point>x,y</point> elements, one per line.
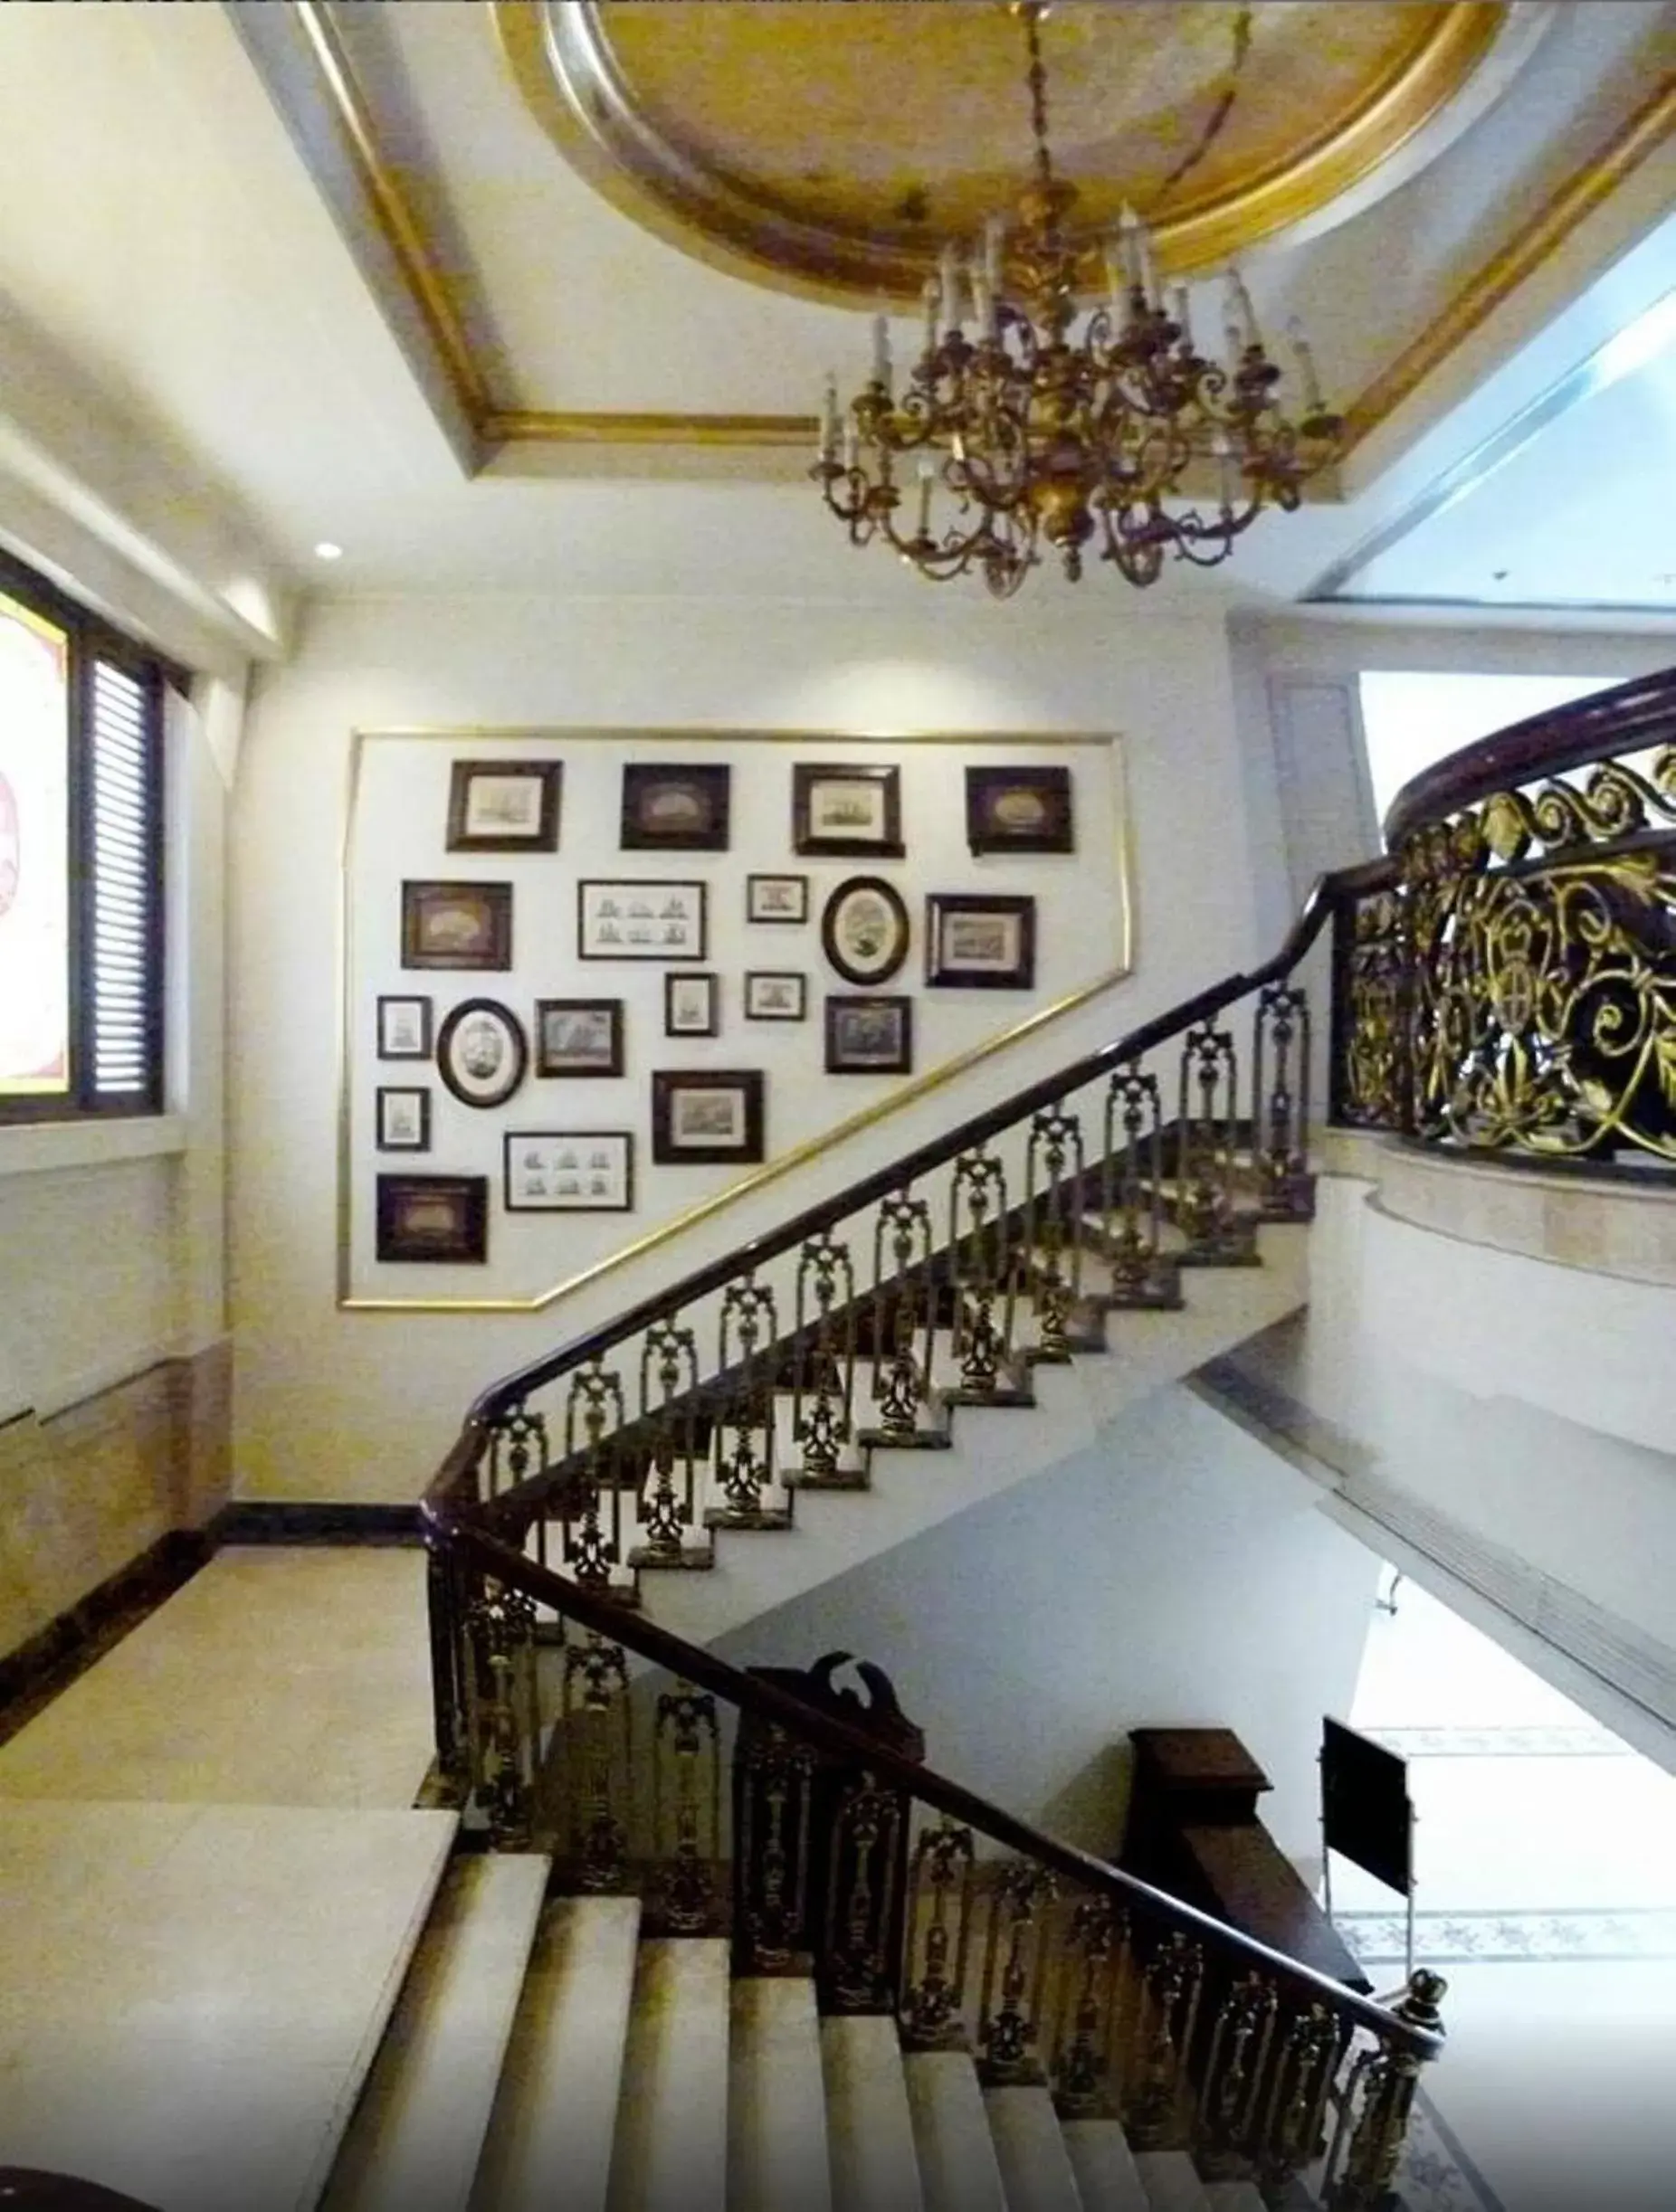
<point>1389,2081</point>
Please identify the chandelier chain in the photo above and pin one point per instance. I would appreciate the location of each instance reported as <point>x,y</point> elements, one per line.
<point>1038,98</point>
<point>1219,113</point>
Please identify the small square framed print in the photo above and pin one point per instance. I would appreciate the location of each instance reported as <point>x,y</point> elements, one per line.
<point>404,1028</point>
<point>637,919</point>
<point>570,1171</point>
<point>504,805</point>
<point>433,1220</point>
<point>847,811</point>
<point>707,1117</point>
<point>675,809</point>
<point>868,1036</point>
<point>456,925</point>
<point>692,1006</point>
<point>776,995</point>
<point>578,1037</point>
<point>404,1118</point>
<point>1018,810</point>
<point>978,942</point>
<point>776,898</point>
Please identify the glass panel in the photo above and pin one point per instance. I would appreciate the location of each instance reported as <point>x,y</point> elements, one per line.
<point>34,854</point>
<point>1412,719</point>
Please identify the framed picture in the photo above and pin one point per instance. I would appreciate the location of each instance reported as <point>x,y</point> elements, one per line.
<point>692,1006</point>
<point>640,920</point>
<point>864,930</point>
<point>481,1053</point>
<point>776,898</point>
<point>980,943</point>
<point>578,1037</point>
<point>847,811</point>
<point>433,1218</point>
<point>775,995</point>
<point>701,1117</point>
<point>675,810</point>
<point>870,1037</point>
<point>504,805</point>
<point>404,1028</point>
<point>456,925</point>
<point>587,1171</point>
<point>1018,810</point>
<point>403,1119</point>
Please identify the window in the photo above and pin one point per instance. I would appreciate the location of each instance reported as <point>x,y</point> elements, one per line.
<point>80,861</point>
<point>1411,719</point>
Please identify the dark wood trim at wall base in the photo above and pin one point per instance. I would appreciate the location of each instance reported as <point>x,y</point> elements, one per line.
<point>260,1520</point>
<point>53,1658</point>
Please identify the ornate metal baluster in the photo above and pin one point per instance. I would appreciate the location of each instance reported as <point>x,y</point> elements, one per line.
<point>1014,1963</point>
<point>1281,1103</point>
<point>1371,1041</point>
<point>939,1937</point>
<point>1054,1202</point>
<point>1207,1145</point>
<point>517,1448</point>
<point>981,1276</point>
<point>745,1423</point>
<point>771,1866</point>
<point>1291,2122</point>
<point>858,1971</point>
<point>668,1391</point>
<point>598,1728</point>
<point>686,1817</point>
<point>1233,2077</point>
<point>1132,1190</point>
<point>1170,1994</point>
<point>1386,2085</point>
<point>824,1386</point>
<point>593,1416</point>
<point>1083,2042</point>
<point>902,1315</point>
<point>501,1698</point>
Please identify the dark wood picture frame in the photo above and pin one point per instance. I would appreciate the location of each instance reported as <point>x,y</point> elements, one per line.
<point>818,812</point>
<point>422,1046</point>
<point>776,901</point>
<point>436,1220</point>
<point>679,808</point>
<point>556,1060</point>
<point>948,966</point>
<point>539,1180</point>
<point>864,930</point>
<point>457,926</point>
<point>867,1035</point>
<point>677,1141</point>
<point>788,1001</point>
<point>544,780</point>
<point>1019,810</point>
<point>707,987</point>
<point>470,1030</point>
<point>387,1092</point>
<point>611,926</point>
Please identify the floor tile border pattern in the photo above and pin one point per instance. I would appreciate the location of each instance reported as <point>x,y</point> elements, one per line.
<point>1524,1937</point>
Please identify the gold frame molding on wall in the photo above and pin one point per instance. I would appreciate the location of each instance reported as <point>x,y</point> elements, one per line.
<point>497,426</point>
<point>908,1093</point>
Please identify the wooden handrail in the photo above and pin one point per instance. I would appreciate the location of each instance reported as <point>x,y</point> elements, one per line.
<point>691,1663</point>
<point>1629,717</point>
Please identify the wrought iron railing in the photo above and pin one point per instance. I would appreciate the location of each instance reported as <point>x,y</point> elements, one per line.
<point>1506,980</point>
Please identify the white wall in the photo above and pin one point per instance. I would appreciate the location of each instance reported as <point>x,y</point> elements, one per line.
<point>361,1406</point>
<point>1173,1574</point>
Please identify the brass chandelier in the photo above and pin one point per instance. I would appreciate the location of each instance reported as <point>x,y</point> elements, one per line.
<point>1022,437</point>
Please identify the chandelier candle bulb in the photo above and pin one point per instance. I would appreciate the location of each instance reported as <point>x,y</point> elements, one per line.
<point>1306,368</point>
<point>1117,286</point>
<point>1180,315</point>
<point>851,445</point>
<point>928,472</point>
<point>881,351</point>
<point>994,240</point>
<point>1240,308</point>
<point>930,297</point>
<point>950,287</point>
<point>829,421</point>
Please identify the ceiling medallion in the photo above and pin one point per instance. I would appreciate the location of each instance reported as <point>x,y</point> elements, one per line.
<point>1024,438</point>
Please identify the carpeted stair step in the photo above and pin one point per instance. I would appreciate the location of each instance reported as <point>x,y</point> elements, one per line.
<point>959,2170</point>
<point>869,2125</point>
<point>1036,2173</point>
<point>672,2129</point>
<point>776,2099</point>
<point>1104,2165</point>
<point>1171,2181</point>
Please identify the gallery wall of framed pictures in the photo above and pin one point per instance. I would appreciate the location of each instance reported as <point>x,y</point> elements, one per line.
<point>591,977</point>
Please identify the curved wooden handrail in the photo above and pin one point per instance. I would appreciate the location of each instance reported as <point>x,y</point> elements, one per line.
<point>1629,716</point>
<point>691,1663</point>
<point>512,1389</point>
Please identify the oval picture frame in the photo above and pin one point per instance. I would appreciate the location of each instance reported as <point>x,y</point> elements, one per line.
<point>864,930</point>
<point>481,1053</point>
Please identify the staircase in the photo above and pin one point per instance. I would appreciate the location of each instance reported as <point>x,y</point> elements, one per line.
<point>551,2056</point>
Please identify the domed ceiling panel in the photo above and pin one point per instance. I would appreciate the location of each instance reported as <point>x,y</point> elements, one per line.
<point>832,148</point>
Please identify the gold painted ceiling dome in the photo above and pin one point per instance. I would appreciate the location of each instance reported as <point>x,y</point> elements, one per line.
<point>832,145</point>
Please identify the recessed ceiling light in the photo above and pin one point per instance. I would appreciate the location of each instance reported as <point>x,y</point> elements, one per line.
<point>327,551</point>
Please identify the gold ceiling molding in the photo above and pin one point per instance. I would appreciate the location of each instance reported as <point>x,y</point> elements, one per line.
<point>696,142</point>
<point>502,427</point>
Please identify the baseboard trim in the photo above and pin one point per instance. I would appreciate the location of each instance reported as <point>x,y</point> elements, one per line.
<point>269,1521</point>
<point>50,1660</point>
